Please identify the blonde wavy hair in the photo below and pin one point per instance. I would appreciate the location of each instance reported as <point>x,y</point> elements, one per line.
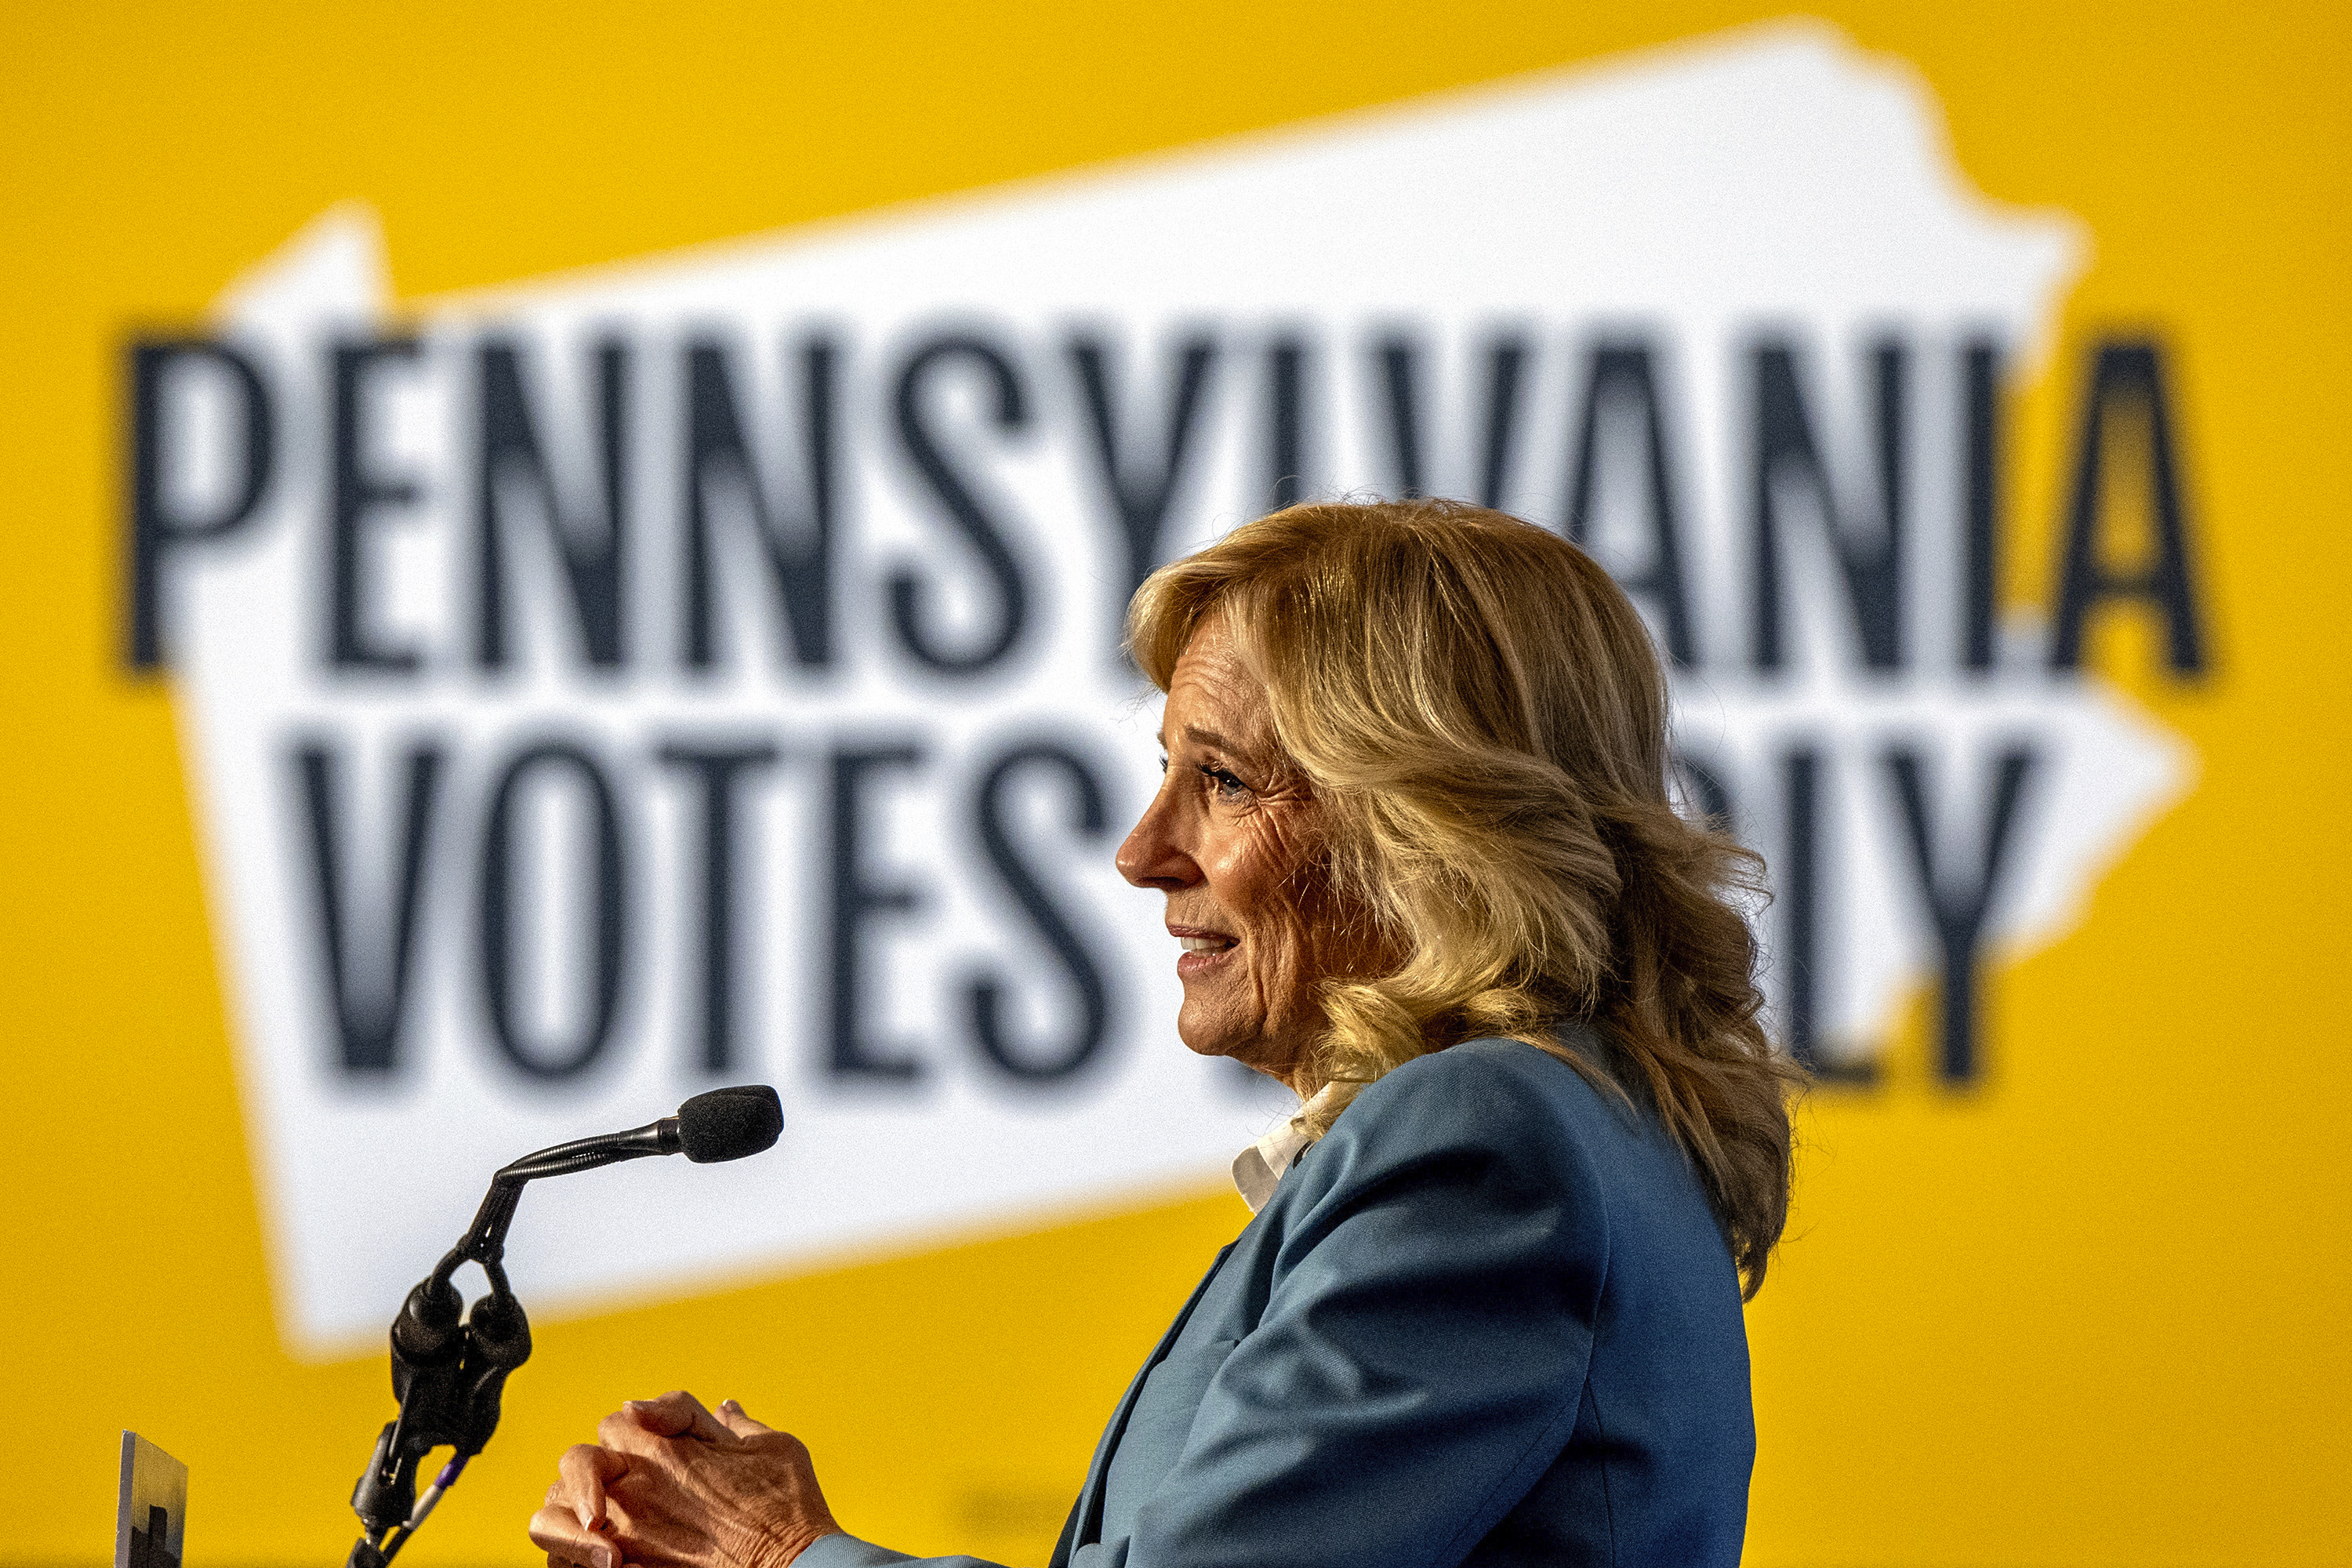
<point>1480,714</point>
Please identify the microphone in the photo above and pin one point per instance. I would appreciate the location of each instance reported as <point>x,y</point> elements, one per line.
<point>723,1125</point>
<point>447,1374</point>
<point>728,1124</point>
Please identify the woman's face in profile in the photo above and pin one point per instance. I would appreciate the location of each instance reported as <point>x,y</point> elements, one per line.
<point>1228,838</point>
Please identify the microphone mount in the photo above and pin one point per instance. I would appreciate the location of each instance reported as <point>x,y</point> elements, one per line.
<point>486,1241</point>
<point>450,1364</point>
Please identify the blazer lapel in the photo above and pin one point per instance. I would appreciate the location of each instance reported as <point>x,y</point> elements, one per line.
<point>1084,1523</point>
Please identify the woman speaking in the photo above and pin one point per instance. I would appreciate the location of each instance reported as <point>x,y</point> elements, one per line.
<point>1418,850</point>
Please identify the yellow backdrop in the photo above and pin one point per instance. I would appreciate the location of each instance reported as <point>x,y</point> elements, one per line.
<point>2093,1311</point>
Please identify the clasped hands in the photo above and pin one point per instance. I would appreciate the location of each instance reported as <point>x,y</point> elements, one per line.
<point>668,1484</point>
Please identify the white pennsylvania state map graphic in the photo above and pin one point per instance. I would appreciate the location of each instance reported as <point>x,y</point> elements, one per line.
<point>705,668</point>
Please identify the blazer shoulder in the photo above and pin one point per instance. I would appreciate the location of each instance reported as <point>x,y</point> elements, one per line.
<point>1486,1099</point>
<point>1505,1087</point>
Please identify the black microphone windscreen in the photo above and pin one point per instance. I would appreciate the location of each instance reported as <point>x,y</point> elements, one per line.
<point>729,1123</point>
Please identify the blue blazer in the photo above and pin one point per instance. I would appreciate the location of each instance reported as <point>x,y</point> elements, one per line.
<point>1488,1318</point>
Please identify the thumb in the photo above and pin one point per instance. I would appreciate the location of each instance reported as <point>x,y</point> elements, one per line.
<point>736,1419</point>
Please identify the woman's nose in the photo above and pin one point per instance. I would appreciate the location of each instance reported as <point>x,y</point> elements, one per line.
<point>1151,858</point>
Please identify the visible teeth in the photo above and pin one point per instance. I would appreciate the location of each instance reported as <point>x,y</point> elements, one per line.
<point>1204,943</point>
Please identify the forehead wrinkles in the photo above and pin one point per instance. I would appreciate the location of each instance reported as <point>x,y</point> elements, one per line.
<point>1215,686</point>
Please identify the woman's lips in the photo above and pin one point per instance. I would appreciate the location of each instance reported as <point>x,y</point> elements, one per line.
<point>1203,950</point>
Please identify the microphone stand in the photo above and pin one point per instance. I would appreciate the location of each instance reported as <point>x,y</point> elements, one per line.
<point>447,1374</point>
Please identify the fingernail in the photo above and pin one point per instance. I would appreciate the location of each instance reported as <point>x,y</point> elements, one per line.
<point>729,1405</point>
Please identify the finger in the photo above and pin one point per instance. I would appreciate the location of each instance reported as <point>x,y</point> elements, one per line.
<point>556,1531</point>
<point>654,1539</point>
<point>739,1420</point>
<point>677,1414</point>
<point>582,1474</point>
<point>644,1426</point>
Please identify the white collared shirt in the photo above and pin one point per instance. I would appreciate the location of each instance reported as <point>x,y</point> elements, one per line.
<point>1257,1168</point>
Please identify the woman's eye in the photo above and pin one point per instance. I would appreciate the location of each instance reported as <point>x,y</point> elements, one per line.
<point>1228,786</point>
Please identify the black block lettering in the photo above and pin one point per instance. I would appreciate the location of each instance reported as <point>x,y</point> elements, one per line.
<point>1400,360</point>
<point>1785,449</point>
<point>796,541</point>
<point>369,1009</point>
<point>958,500</point>
<point>593,551</point>
<point>1063,1060</point>
<point>1506,359</point>
<point>1138,489</point>
<point>1286,432</point>
<point>718,772</point>
<point>856,900</point>
<point>1621,381</point>
<point>1796,897</point>
<point>2128,387</point>
<point>496,926</point>
<point>157,529</point>
<point>361,494</point>
<point>1412,416</point>
<point>1959,911</point>
<point>1981,488</point>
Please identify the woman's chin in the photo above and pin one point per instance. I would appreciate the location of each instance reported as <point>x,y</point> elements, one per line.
<point>1205,1035</point>
<point>1249,1048</point>
<point>1202,1045</point>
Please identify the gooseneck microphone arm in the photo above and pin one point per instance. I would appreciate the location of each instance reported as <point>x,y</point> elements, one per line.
<point>486,1242</point>
<point>447,1374</point>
